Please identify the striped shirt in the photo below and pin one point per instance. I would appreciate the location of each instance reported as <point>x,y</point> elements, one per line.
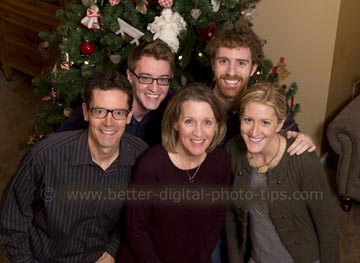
<point>61,206</point>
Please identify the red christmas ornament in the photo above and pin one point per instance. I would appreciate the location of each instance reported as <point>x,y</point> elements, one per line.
<point>87,48</point>
<point>206,33</point>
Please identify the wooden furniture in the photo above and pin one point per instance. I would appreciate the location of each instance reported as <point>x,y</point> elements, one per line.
<point>20,23</point>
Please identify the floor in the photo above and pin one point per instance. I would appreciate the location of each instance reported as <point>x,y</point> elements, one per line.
<point>18,105</point>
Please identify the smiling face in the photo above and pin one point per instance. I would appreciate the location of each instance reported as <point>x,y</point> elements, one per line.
<point>148,97</point>
<point>104,134</point>
<point>232,68</point>
<point>196,128</point>
<point>259,126</point>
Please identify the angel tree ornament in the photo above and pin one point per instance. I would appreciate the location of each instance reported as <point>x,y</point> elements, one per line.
<point>114,2</point>
<point>129,30</point>
<point>167,27</point>
<point>91,21</point>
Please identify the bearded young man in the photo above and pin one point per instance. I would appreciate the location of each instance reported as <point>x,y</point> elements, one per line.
<point>235,52</point>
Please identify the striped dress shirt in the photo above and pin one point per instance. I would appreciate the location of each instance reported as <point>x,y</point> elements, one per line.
<point>61,206</point>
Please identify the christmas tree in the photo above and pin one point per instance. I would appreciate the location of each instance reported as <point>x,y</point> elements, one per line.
<point>99,34</point>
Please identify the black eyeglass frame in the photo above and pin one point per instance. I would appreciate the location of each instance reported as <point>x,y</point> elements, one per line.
<point>107,112</point>
<point>139,78</point>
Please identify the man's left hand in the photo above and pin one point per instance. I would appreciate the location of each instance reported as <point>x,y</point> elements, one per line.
<point>302,143</point>
<point>106,258</point>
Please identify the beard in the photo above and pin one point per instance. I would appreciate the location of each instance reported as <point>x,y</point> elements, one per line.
<point>233,90</point>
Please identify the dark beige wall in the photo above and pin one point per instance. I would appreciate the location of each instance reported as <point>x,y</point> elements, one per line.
<point>346,63</point>
<point>304,32</point>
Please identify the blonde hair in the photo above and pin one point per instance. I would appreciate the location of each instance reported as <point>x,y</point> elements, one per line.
<point>195,92</point>
<point>265,93</point>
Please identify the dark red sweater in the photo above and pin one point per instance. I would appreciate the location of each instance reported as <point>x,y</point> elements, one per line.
<point>175,220</point>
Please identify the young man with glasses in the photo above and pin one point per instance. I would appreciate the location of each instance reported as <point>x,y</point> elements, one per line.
<point>64,203</point>
<point>150,70</point>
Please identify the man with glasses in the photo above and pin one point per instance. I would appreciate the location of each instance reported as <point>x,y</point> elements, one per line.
<point>64,203</point>
<point>150,70</point>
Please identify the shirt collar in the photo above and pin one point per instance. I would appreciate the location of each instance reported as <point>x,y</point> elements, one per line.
<point>80,152</point>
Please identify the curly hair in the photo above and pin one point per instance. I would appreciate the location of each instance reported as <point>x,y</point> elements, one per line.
<point>234,36</point>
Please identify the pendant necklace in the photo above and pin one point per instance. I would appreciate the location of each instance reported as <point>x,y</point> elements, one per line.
<point>265,168</point>
<point>191,177</point>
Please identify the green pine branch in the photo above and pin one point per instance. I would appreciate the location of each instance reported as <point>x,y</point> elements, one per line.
<point>191,64</point>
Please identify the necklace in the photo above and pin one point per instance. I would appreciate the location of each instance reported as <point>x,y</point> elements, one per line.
<point>191,177</point>
<point>265,168</point>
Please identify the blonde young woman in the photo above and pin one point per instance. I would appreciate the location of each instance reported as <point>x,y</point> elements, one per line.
<point>282,212</point>
<point>177,221</point>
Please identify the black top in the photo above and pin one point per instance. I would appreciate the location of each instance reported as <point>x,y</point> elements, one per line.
<point>170,219</point>
<point>63,207</point>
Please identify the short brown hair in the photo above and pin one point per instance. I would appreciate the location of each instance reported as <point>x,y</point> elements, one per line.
<point>265,93</point>
<point>194,92</point>
<point>157,49</point>
<point>107,80</point>
<point>234,36</point>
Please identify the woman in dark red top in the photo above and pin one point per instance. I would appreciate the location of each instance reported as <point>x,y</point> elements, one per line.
<point>177,198</point>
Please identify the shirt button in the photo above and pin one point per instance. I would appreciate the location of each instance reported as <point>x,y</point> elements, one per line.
<point>279,182</point>
<point>297,242</point>
<point>239,173</point>
<point>291,229</point>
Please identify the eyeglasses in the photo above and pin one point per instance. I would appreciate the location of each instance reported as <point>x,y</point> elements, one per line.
<point>150,80</point>
<point>101,113</point>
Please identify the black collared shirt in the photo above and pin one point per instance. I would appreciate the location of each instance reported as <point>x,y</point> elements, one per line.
<point>149,128</point>
<point>63,207</point>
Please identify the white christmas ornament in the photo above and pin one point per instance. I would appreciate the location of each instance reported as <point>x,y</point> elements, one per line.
<point>167,27</point>
<point>91,21</point>
<point>115,58</point>
<point>250,13</point>
<point>195,13</point>
<point>126,28</point>
<point>216,5</point>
